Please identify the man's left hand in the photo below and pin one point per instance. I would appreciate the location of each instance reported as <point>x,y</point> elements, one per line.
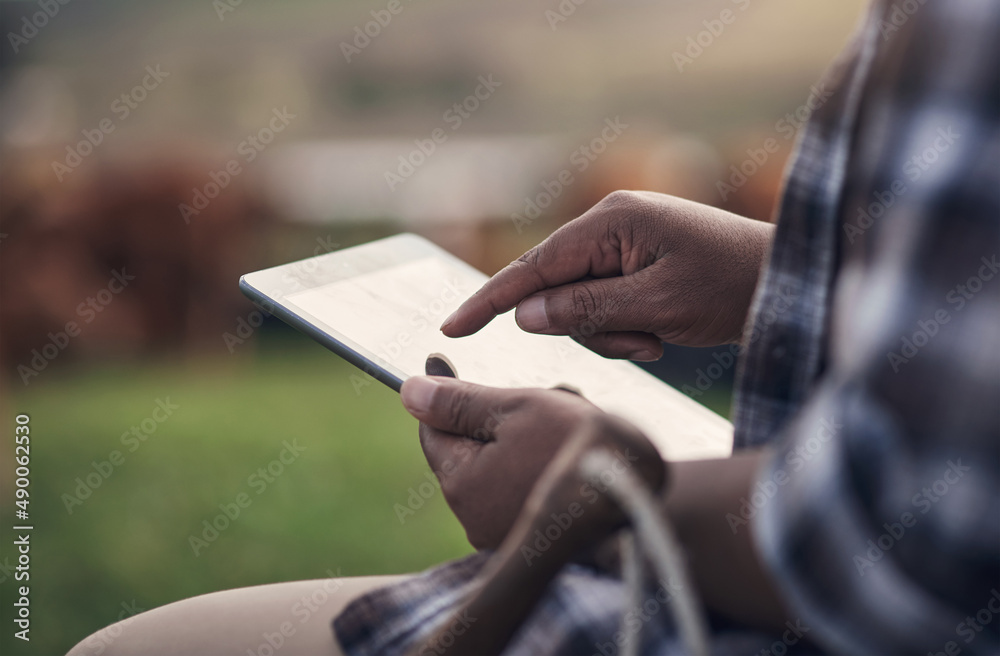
<point>489,446</point>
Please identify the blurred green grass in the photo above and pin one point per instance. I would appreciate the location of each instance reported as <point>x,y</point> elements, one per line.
<point>331,510</point>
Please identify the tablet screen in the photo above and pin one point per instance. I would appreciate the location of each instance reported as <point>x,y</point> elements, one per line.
<point>394,314</point>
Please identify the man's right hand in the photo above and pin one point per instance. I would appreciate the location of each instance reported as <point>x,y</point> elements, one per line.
<point>637,269</point>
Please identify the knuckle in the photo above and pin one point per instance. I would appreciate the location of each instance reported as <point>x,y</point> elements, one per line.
<point>566,407</point>
<point>529,265</point>
<point>620,197</point>
<point>529,401</point>
<point>530,258</point>
<point>586,304</point>
<point>626,206</point>
<point>457,407</point>
<point>610,425</point>
<point>628,218</point>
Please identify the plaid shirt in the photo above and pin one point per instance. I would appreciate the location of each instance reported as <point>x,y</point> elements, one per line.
<point>880,387</point>
<point>872,366</point>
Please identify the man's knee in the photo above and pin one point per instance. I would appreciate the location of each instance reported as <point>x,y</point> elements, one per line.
<point>102,642</point>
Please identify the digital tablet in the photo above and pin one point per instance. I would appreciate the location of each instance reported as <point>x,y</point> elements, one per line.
<point>380,305</point>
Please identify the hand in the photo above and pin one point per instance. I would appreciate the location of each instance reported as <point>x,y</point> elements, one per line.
<point>637,269</point>
<point>568,509</point>
<point>489,446</point>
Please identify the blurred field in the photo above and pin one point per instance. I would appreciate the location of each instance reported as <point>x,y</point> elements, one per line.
<point>331,509</point>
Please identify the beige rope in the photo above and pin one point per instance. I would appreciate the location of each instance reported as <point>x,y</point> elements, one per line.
<point>655,537</point>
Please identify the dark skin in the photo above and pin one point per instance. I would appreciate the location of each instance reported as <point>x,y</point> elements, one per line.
<point>489,483</point>
<point>510,584</point>
<point>642,268</point>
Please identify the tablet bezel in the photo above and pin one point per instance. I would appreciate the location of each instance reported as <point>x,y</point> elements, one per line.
<point>269,287</point>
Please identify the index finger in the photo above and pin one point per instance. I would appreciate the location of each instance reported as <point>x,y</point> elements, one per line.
<point>560,259</point>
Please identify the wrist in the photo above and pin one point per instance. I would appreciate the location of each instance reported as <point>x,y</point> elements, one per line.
<point>752,246</point>
<point>721,556</point>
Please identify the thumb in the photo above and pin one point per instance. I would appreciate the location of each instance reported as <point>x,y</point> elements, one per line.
<point>456,406</point>
<point>588,307</point>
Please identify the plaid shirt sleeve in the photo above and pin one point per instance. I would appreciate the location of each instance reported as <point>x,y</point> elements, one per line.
<point>879,515</point>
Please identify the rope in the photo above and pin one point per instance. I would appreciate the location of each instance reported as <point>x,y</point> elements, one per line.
<point>655,536</point>
<point>633,574</point>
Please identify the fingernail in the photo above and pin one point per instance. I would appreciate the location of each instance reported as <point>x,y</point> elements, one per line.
<point>530,314</point>
<point>449,320</point>
<point>417,394</point>
<point>644,355</point>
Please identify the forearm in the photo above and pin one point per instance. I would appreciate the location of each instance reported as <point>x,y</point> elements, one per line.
<point>724,565</point>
